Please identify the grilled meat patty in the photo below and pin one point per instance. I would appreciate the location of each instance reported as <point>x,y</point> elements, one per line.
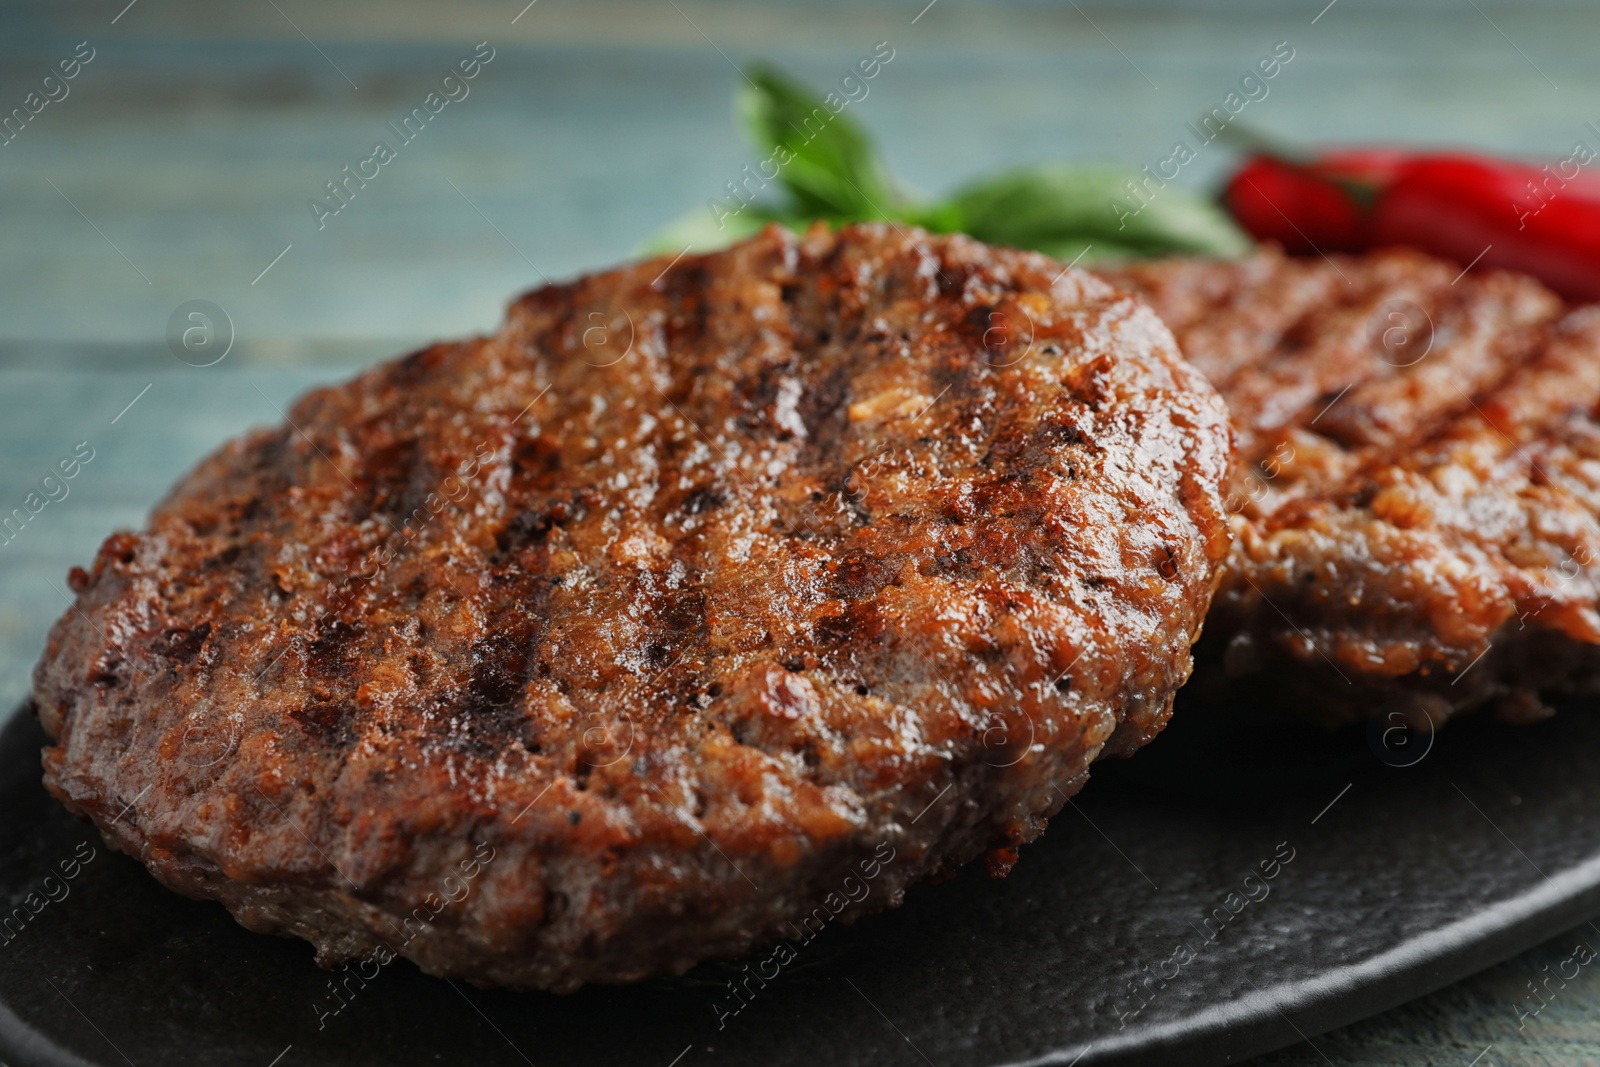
<point>1417,484</point>
<point>663,621</point>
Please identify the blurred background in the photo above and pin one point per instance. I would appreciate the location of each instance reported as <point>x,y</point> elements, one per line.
<point>179,162</point>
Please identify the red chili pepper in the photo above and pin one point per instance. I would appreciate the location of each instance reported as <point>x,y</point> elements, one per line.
<point>1542,221</point>
<point>1373,168</point>
<point>1313,205</point>
<point>1293,204</point>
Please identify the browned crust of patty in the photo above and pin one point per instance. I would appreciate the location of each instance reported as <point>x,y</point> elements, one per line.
<point>1419,529</point>
<point>666,609</point>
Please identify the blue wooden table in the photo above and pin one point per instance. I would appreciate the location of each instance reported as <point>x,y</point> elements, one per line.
<point>180,160</point>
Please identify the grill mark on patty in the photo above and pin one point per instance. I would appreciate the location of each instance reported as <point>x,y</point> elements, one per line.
<point>1484,329</point>
<point>1024,453</point>
<point>491,712</point>
<point>182,645</point>
<point>391,473</point>
<point>226,558</point>
<point>824,409</point>
<point>1405,405</point>
<point>537,465</point>
<point>702,499</point>
<point>532,527</point>
<point>860,574</point>
<point>859,627</point>
<point>336,650</point>
<point>327,724</point>
<point>683,287</point>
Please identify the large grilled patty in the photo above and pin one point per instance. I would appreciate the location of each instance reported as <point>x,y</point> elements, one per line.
<point>695,600</point>
<point>1418,480</point>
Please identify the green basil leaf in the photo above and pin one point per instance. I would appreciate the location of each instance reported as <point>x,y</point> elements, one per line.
<point>826,162</point>
<point>1084,253</point>
<point>701,230</point>
<point>1055,206</point>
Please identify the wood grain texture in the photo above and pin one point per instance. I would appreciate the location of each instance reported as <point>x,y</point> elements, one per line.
<point>182,160</point>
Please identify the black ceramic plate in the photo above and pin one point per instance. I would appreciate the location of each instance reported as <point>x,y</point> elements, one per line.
<point>1143,928</point>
